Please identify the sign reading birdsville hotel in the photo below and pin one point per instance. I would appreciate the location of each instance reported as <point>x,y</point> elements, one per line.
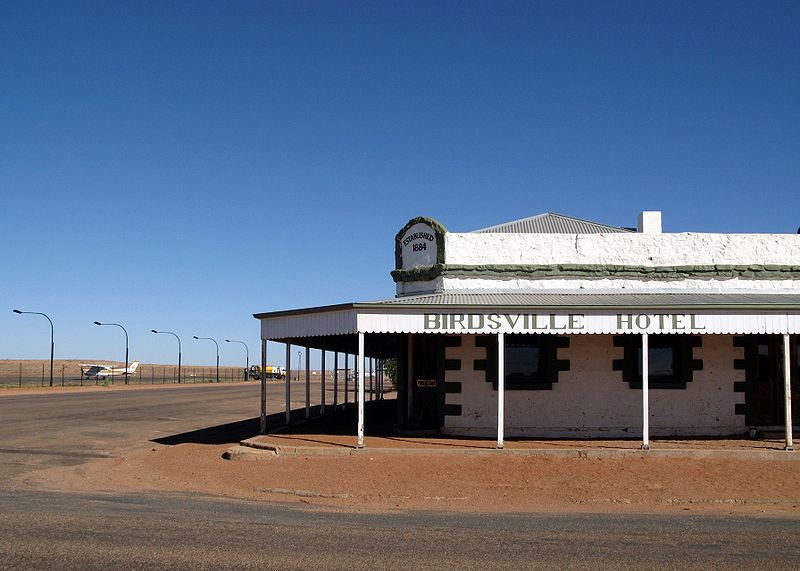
<point>614,322</point>
<point>563,323</point>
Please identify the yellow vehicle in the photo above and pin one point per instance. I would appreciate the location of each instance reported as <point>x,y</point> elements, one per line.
<point>271,372</point>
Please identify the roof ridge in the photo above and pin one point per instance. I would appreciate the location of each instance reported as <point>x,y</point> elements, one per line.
<point>551,222</point>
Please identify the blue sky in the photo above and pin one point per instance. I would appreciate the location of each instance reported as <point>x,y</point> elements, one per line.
<point>183,165</point>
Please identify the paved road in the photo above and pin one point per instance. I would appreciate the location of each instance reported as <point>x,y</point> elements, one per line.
<point>66,428</point>
<point>43,529</point>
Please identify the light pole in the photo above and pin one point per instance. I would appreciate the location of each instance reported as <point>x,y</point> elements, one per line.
<point>52,345</point>
<point>125,373</point>
<point>215,343</point>
<point>246,352</point>
<point>179,350</point>
<point>299,363</point>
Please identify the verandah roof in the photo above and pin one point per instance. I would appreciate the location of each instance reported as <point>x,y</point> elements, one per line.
<point>733,313</point>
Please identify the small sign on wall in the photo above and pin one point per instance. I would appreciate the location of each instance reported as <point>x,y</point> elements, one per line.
<point>427,383</point>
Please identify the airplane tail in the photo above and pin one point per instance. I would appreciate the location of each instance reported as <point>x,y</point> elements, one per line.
<point>132,368</point>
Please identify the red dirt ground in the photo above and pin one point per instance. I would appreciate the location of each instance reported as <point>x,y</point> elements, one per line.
<point>424,480</point>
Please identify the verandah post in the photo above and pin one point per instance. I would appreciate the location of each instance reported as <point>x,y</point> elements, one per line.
<point>322,382</point>
<point>501,388</point>
<point>335,381</point>
<point>263,386</point>
<point>288,383</point>
<point>346,378</point>
<point>645,392</point>
<point>308,383</point>
<point>787,391</point>
<point>360,365</point>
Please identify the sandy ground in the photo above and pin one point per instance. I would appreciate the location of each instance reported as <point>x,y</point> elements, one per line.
<point>424,480</point>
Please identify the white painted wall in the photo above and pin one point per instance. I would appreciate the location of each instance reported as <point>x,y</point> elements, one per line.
<point>483,284</point>
<point>624,249</point>
<point>592,400</point>
<point>627,248</point>
<point>597,285</point>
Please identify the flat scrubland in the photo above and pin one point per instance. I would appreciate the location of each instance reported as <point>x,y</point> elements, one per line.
<point>71,369</point>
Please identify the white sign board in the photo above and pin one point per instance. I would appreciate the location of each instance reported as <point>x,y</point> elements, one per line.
<point>568,323</point>
<point>418,246</point>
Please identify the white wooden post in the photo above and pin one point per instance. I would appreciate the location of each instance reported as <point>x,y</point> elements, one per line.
<point>322,389</point>
<point>501,388</point>
<point>335,381</point>
<point>645,392</point>
<point>263,427</point>
<point>308,384</point>
<point>787,391</point>
<point>361,395</point>
<point>380,378</point>
<point>371,386</point>
<point>288,383</point>
<point>410,378</point>
<point>346,378</point>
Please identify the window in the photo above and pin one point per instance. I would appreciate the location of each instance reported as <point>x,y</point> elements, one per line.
<point>525,363</point>
<point>531,361</point>
<point>669,359</point>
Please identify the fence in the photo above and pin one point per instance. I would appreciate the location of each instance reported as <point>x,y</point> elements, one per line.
<point>19,374</point>
<point>67,373</point>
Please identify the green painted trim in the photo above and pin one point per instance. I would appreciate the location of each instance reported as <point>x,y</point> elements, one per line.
<point>438,229</point>
<point>752,271</point>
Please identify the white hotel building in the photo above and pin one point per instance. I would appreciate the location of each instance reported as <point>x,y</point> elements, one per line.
<point>535,328</point>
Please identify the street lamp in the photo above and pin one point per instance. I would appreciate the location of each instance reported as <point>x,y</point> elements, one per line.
<point>215,343</point>
<point>52,346</point>
<point>179,350</point>
<point>299,364</point>
<point>125,373</point>
<point>247,353</point>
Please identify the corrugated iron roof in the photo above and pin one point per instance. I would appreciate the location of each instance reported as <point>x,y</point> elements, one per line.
<point>552,223</point>
<point>449,301</point>
<point>598,300</point>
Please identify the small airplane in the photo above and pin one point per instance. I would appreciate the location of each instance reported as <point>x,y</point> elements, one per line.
<point>91,371</point>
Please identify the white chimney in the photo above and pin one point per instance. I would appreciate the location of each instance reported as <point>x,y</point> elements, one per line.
<point>650,222</point>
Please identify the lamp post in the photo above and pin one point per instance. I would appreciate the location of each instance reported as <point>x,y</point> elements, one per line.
<point>52,345</point>
<point>215,343</point>
<point>125,373</point>
<point>247,354</point>
<point>299,364</point>
<point>179,350</point>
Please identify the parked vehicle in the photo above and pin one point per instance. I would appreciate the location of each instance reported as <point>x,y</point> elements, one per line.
<point>271,372</point>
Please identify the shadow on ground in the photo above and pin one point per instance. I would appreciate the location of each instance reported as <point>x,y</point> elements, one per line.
<point>378,421</point>
<point>230,433</point>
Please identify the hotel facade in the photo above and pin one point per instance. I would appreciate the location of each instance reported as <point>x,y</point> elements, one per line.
<point>546,327</point>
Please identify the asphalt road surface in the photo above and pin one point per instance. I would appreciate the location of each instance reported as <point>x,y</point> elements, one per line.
<point>48,530</point>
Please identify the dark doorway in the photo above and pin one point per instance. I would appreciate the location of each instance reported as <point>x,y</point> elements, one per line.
<point>764,379</point>
<point>427,382</point>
